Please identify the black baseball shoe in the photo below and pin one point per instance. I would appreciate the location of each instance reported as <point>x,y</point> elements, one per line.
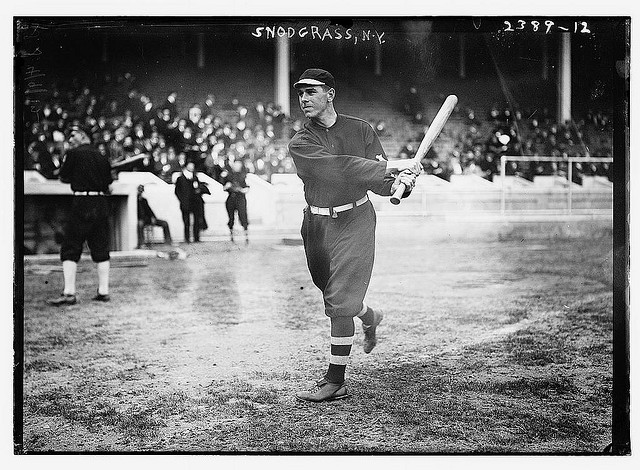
<point>370,339</point>
<point>64,299</point>
<point>101,297</point>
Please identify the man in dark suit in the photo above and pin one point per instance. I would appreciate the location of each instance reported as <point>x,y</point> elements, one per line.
<point>147,217</point>
<point>189,192</point>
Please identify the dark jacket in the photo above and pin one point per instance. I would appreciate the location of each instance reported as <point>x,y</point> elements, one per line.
<point>145,213</point>
<point>189,192</point>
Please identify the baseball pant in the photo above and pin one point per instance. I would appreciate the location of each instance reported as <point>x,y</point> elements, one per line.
<point>340,253</point>
<point>89,220</point>
<point>237,202</point>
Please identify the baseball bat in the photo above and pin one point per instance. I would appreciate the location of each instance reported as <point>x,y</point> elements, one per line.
<point>129,160</point>
<point>432,133</point>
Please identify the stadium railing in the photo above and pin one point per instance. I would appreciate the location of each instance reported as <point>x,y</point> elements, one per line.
<point>570,161</point>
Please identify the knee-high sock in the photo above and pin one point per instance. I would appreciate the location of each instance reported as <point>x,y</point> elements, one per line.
<point>103,277</point>
<point>342,332</point>
<point>69,269</point>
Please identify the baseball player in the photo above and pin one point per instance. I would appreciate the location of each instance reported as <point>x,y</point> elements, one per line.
<point>339,158</point>
<point>234,182</point>
<point>89,173</point>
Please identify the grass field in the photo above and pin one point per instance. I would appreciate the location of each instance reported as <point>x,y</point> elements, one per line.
<point>500,347</point>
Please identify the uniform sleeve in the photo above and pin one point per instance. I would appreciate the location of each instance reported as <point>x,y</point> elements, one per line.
<point>375,151</point>
<point>107,171</point>
<point>66,170</point>
<point>312,160</point>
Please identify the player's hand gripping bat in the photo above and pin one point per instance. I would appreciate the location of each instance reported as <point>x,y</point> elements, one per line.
<point>431,135</point>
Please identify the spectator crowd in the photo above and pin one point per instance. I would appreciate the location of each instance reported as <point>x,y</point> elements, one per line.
<point>124,122</point>
<point>166,133</point>
<point>476,143</point>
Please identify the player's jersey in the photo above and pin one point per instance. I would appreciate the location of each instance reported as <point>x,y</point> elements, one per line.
<point>339,164</point>
<point>86,169</point>
<point>238,182</point>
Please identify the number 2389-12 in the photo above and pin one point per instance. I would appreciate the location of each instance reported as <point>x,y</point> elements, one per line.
<point>546,26</point>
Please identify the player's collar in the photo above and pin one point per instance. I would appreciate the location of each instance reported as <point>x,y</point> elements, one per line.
<point>317,125</point>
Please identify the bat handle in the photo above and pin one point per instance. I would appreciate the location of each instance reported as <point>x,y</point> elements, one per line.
<point>397,195</point>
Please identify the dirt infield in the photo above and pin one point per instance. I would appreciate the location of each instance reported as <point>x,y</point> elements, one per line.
<point>485,347</point>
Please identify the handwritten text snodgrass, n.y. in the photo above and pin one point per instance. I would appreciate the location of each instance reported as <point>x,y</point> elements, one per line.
<point>317,33</point>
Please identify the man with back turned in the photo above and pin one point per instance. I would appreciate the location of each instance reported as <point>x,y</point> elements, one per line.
<point>339,158</point>
<point>89,174</point>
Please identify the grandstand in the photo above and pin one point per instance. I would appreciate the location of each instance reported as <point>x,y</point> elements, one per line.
<point>126,104</point>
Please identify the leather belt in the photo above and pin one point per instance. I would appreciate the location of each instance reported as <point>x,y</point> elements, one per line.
<point>333,211</point>
<point>88,193</point>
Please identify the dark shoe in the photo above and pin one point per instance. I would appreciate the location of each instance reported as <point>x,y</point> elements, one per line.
<point>102,297</point>
<point>327,392</point>
<point>370,340</point>
<point>64,299</point>
<point>231,235</point>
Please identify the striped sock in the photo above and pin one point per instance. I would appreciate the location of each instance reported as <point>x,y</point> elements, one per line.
<point>342,334</point>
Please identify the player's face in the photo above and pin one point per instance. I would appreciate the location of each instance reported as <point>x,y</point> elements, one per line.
<point>76,138</point>
<point>314,100</point>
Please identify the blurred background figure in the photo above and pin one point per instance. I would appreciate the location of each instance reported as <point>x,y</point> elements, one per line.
<point>147,218</point>
<point>189,192</point>
<point>234,181</point>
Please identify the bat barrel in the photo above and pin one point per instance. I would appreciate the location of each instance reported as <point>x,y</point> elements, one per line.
<point>430,136</point>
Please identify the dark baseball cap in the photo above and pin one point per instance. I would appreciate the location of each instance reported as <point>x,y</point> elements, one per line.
<point>78,128</point>
<point>315,77</point>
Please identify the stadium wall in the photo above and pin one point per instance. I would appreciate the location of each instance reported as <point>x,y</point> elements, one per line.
<point>463,208</point>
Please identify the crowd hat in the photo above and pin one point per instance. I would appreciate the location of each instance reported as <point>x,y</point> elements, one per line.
<point>315,77</point>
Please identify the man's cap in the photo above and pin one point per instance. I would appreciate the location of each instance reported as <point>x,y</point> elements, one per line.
<point>141,186</point>
<point>315,77</point>
<point>77,128</point>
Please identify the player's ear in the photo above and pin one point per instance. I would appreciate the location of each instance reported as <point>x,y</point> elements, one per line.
<point>331,94</point>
